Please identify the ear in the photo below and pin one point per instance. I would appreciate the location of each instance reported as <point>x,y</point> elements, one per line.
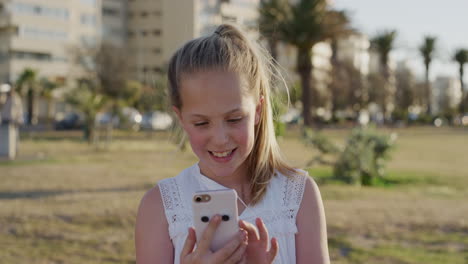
<point>178,113</point>
<point>258,110</point>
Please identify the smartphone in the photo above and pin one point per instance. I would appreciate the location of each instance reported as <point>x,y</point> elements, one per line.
<point>206,204</point>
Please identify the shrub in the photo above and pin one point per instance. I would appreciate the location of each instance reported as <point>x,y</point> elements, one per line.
<point>362,161</point>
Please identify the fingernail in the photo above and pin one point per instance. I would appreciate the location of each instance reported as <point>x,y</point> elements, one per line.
<point>242,233</point>
<point>243,236</point>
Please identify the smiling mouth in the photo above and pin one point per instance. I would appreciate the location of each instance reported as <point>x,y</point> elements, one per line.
<point>222,154</point>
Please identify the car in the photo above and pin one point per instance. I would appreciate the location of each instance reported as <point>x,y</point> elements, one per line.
<point>130,118</point>
<point>70,121</point>
<point>156,120</point>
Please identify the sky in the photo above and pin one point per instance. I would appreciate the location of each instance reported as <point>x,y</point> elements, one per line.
<point>413,19</point>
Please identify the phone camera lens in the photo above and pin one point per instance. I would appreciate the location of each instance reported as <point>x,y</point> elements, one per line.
<point>225,218</point>
<point>198,199</point>
<point>205,219</point>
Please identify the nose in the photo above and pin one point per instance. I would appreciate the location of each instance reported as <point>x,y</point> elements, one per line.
<point>220,135</point>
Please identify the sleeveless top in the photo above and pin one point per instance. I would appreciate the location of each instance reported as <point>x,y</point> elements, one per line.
<point>278,208</point>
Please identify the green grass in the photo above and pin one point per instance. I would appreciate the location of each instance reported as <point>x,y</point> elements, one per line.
<point>63,201</point>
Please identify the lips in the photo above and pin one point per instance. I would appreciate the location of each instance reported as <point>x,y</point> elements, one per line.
<point>224,159</point>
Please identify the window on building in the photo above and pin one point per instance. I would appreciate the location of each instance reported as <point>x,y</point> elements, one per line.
<point>38,10</point>
<point>229,19</point>
<point>88,40</point>
<point>88,19</point>
<point>34,32</point>
<point>157,32</point>
<point>144,14</point>
<point>156,51</point>
<point>25,55</point>
<point>4,56</point>
<point>107,11</point>
<point>88,2</point>
<point>144,33</point>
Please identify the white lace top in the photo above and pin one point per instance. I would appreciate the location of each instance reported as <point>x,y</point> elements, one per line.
<point>278,209</point>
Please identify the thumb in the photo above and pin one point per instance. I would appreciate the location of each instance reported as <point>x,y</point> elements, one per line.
<point>273,250</point>
<point>189,243</point>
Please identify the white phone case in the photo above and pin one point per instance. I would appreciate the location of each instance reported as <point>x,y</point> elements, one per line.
<point>222,202</point>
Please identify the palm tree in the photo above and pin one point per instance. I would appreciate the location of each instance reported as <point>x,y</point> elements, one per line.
<point>339,25</point>
<point>89,101</point>
<point>28,81</point>
<point>48,86</point>
<point>461,56</point>
<point>383,43</point>
<point>268,23</point>
<point>303,24</point>
<point>427,52</point>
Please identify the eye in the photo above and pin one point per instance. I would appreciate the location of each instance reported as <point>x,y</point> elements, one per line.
<point>234,120</point>
<point>201,124</point>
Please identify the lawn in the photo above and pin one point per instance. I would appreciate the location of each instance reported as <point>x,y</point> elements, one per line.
<point>65,202</point>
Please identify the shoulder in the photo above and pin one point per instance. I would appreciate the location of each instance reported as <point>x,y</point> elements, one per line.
<point>291,185</point>
<point>311,239</point>
<point>151,210</point>
<point>152,240</point>
<point>311,198</point>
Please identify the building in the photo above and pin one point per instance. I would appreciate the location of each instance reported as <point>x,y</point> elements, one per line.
<point>114,22</point>
<point>355,49</point>
<point>156,29</point>
<point>39,35</point>
<point>446,94</point>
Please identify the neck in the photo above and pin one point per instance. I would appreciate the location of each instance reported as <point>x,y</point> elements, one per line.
<point>238,180</point>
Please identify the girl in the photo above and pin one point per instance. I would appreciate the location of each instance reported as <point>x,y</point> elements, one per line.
<point>220,91</point>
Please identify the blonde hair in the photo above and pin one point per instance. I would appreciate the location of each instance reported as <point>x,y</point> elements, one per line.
<point>228,49</point>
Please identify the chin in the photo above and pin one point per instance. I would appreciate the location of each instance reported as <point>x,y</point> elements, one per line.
<point>222,171</point>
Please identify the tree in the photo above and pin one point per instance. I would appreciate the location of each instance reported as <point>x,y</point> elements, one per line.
<point>346,88</point>
<point>461,57</point>
<point>269,21</point>
<point>383,43</point>
<point>106,67</point>
<point>405,92</point>
<point>153,97</point>
<point>427,52</point>
<point>89,101</point>
<point>27,83</point>
<point>48,86</point>
<point>304,24</point>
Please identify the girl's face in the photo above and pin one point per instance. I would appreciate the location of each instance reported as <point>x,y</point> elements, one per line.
<point>218,115</point>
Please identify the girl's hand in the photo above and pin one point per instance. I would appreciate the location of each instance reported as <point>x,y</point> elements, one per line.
<point>232,252</point>
<point>258,243</point>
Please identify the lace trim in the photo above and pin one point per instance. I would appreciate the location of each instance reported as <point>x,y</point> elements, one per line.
<point>278,222</point>
<point>177,216</point>
<point>294,190</point>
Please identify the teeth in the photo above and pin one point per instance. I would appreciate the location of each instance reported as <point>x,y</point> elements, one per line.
<point>221,154</point>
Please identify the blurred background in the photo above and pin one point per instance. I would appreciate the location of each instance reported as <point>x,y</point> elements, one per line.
<point>373,104</point>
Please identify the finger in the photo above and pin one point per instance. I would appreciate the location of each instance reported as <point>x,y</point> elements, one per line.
<point>238,254</point>
<point>263,232</point>
<point>243,260</point>
<point>207,236</point>
<point>189,243</point>
<point>228,250</point>
<point>251,230</point>
<point>273,250</point>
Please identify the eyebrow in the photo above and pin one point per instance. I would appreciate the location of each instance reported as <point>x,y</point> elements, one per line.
<point>227,113</point>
